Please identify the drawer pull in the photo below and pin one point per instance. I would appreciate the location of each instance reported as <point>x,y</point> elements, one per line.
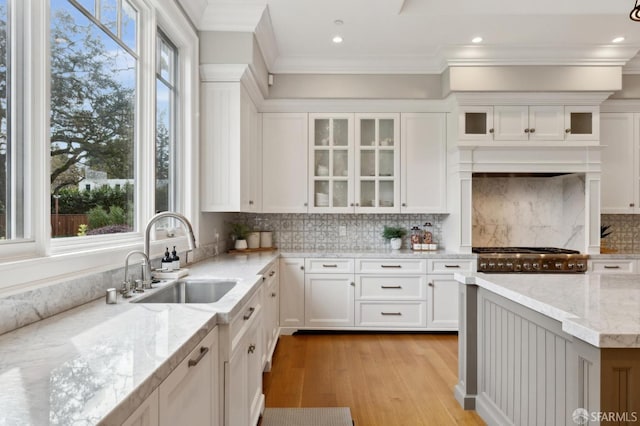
<point>391,286</point>
<point>391,266</point>
<point>611,266</point>
<point>451,266</point>
<point>395,314</point>
<point>273,295</point>
<point>272,273</point>
<point>194,362</point>
<point>251,349</point>
<point>251,311</point>
<point>329,266</point>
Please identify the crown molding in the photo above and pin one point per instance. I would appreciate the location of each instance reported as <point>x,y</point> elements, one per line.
<point>234,73</point>
<point>620,105</point>
<point>360,105</point>
<point>632,66</point>
<point>404,64</point>
<point>530,98</point>
<point>267,39</point>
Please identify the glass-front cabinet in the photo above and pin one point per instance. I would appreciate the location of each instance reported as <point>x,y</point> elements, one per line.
<point>331,163</point>
<point>377,163</point>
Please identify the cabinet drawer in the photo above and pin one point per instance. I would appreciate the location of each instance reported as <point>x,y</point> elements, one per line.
<point>391,266</point>
<point>400,314</point>
<point>328,266</point>
<point>445,266</point>
<point>618,266</point>
<point>245,318</point>
<point>391,287</point>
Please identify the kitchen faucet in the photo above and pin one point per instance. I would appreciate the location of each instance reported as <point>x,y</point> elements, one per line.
<point>147,233</point>
<point>146,275</point>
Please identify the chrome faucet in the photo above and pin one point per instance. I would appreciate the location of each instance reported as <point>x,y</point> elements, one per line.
<point>127,286</point>
<point>163,215</point>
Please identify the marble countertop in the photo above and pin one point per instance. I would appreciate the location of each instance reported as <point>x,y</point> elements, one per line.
<point>601,309</point>
<point>375,254</point>
<point>97,362</point>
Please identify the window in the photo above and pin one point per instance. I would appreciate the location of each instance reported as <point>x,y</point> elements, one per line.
<point>93,116</point>
<point>166,101</point>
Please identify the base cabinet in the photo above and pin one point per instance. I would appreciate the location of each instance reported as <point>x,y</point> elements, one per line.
<point>291,292</point>
<point>442,308</point>
<point>189,395</point>
<point>271,279</point>
<point>329,300</point>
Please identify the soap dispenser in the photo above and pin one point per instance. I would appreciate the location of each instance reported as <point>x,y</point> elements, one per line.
<point>175,259</point>
<point>167,262</point>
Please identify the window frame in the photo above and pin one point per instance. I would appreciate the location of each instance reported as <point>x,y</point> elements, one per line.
<point>42,258</point>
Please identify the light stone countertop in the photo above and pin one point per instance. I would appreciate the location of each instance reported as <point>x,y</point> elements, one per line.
<point>379,254</point>
<point>601,309</point>
<point>96,363</point>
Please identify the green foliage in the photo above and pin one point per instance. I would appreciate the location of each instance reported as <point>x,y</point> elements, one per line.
<point>240,231</point>
<point>390,232</point>
<point>98,218</point>
<point>73,201</point>
<point>117,216</point>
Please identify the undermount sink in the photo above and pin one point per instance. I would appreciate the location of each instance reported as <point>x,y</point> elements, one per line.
<point>190,291</point>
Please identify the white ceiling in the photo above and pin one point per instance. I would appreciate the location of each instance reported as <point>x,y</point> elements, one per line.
<point>425,36</point>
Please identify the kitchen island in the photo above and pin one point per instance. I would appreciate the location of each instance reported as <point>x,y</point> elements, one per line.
<point>534,348</point>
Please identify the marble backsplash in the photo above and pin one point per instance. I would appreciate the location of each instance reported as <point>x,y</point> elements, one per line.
<point>625,233</point>
<point>529,211</point>
<point>301,232</point>
<point>23,308</point>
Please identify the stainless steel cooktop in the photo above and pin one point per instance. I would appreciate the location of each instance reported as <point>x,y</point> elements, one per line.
<point>530,260</point>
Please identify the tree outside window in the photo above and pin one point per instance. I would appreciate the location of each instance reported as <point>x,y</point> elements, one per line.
<point>93,120</point>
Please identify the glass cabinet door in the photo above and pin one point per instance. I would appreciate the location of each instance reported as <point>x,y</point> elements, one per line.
<point>377,163</point>
<point>330,161</point>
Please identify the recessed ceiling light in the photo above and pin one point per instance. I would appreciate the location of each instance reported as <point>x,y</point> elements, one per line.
<point>338,22</point>
<point>337,39</point>
<point>476,40</point>
<point>618,40</point>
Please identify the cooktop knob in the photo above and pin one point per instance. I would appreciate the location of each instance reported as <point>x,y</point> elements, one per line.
<point>483,265</point>
<point>527,266</point>
<point>536,265</point>
<point>570,265</point>
<point>558,265</point>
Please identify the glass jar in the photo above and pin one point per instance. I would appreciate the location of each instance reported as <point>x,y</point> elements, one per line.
<point>427,233</point>
<point>416,238</point>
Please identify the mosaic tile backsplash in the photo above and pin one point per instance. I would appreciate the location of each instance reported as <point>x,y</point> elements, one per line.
<point>625,232</point>
<point>301,232</point>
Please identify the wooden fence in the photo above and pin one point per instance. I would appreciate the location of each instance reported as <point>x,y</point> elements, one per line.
<point>66,225</point>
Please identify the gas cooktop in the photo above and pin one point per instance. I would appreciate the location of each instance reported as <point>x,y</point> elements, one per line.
<point>530,260</point>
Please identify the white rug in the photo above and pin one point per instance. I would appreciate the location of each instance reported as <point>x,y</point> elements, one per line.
<point>334,416</point>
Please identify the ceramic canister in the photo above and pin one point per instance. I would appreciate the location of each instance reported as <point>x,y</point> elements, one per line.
<point>266,239</point>
<point>253,241</point>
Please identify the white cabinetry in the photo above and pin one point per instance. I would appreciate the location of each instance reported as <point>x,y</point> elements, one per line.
<point>331,163</point>
<point>189,395</point>
<point>529,123</point>
<point>613,266</point>
<point>284,162</point>
<point>377,163</point>
<point>620,140</point>
<point>329,296</point>
<point>243,399</point>
<point>424,159</point>
<point>146,414</point>
<point>271,310</point>
<point>291,292</point>
<point>230,149</point>
<point>442,292</point>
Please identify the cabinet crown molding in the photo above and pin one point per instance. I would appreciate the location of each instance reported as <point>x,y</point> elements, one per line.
<point>530,98</point>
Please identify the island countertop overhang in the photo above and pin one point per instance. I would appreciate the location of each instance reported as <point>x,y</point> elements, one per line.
<point>602,310</point>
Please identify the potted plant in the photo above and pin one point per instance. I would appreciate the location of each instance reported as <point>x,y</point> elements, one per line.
<point>239,233</point>
<point>394,235</point>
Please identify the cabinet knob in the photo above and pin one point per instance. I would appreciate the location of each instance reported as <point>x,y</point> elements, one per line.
<point>632,204</point>
<point>352,284</point>
<point>404,204</point>
<point>273,295</point>
<point>430,284</point>
<point>490,130</point>
<point>526,130</point>
<point>250,202</point>
<point>357,204</point>
<point>302,268</point>
<point>351,204</point>
<point>532,130</point>
<point>306,204</point>
<point>567,131</point>
<point>252,348</point>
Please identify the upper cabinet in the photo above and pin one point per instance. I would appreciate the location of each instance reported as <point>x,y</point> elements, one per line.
<point>331,163</point>
<point>284,163</point>
<point>377,163</point>
<point>230,149</point>
<point>529,123</point>
<point>620,141</point>
<point>424,158</point>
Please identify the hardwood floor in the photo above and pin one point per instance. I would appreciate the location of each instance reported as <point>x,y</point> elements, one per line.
<point>385,379</point>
